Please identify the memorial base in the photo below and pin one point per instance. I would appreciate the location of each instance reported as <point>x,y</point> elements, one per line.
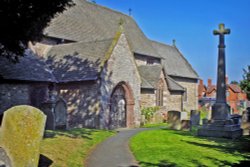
<point>221,128</point>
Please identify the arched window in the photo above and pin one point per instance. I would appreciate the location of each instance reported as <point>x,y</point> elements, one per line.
<point>159,93</point>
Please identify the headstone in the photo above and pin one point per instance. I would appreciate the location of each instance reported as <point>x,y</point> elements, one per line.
<point>4,159</point>
<point>184,115</point>
<point>48,109</point>
<point>245,123</point>
<point>185,125</point>
<point>221,125</point>
<point>195,117</point>
<point>21,133</point>
<point>61,114</point>
<point>174,119</point>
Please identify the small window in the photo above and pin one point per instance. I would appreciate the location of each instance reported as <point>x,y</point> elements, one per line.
<point>185,95</point>
<point>150,61</point>
<point>159,97</point>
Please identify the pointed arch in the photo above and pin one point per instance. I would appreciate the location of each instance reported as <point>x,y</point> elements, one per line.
<point>124,91</point>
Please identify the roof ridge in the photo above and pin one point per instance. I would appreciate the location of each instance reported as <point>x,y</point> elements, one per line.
<point>161,43</point>
<point>104,7</point>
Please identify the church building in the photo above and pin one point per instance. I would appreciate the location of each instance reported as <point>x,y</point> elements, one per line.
<point>102,66</point>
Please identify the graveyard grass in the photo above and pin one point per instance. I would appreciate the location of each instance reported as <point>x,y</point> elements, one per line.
<point>70,148</point>
<point>164,147</point>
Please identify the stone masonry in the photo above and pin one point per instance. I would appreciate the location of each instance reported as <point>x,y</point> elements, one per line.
<point>192,93</point>
<point>120,67</point>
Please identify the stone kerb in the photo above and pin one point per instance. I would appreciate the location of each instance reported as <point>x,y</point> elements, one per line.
<point>21,133</point>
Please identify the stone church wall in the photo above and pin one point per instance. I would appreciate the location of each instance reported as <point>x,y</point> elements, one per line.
<point>13,94</point>
<point>21,93</point>
<point>192,93</point>
<point>171,100</point>
<point>83,103</point>
<point>120,67</point>
<point>148,98</point>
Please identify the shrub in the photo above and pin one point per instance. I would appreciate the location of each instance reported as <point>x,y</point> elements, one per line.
<point>148,112</point>
<point>204,112</point>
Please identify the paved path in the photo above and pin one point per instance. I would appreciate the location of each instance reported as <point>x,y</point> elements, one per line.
<point>114,152</point>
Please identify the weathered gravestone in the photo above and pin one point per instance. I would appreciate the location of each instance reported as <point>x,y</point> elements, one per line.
<point>61,114</point>
<point>245,124</point>
<point>185,125</point>
<point>195,117</point>
<point>4,159</point>
<point>184,115</point>
<point>174,119</point>
<point>21,133</point>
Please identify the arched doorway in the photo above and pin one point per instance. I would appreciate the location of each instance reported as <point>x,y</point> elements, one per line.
<point>121,107</point>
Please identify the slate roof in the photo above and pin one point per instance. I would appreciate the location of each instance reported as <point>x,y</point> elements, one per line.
<point>29,68</point>
<point>90,22</point>
<point>234,88</point>
<point>150,75</point>
<point>174,62</point>
<point>79,61</point>
<point>173,85</point>
<point>211,88</point>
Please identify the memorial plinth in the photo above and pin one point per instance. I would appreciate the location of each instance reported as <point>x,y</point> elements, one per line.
<point>221,123</point>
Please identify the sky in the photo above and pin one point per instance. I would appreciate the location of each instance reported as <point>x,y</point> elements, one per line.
<point>191,23</point>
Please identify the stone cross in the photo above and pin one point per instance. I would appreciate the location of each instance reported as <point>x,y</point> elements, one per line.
<point>21,133</point>
<point>220,109</point>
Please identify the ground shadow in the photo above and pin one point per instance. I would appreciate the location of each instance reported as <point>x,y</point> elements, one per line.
<point>74,133</point>
<point>162,163</point>
<point>235,147</point>
<point>80,81</point>
<point>44,161</point>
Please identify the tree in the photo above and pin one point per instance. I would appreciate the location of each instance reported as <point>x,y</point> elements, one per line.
<point>234,82</point>
<point>245,83</point>
<point>24,21</point>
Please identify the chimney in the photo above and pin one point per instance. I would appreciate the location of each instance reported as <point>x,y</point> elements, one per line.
<point>209,82</point>
<point>200,82</point>
<point>226,80</point>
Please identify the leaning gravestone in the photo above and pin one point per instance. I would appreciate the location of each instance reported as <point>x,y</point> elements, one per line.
<point>174,119</point>
<point>21,133</point>
<point>195,117</point>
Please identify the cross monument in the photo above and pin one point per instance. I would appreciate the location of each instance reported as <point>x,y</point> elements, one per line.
<point>220,110</point>
<point>222,124</point>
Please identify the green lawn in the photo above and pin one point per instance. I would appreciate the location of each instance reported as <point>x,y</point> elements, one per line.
<point>70,148</point>
<point>164,147</point>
